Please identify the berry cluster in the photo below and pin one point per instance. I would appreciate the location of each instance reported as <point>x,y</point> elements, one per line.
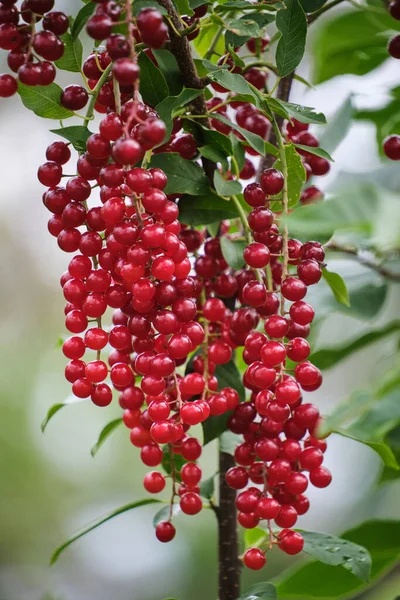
<point>391,144</point>
<point>31,52</point>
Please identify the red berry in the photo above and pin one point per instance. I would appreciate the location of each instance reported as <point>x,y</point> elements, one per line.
<point>254,559</point>
<point>165,531</point>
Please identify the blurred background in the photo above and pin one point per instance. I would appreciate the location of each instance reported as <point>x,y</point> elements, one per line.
<point>50,484</point>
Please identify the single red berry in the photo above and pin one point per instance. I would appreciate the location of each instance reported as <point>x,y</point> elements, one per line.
<point>254,559</point>
<point>272,181</point>
<point>165,531</point>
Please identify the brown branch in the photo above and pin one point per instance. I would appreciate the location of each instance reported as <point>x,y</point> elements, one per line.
<point>354,253</point>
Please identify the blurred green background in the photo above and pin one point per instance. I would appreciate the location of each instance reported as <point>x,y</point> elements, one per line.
<point>50,484</point>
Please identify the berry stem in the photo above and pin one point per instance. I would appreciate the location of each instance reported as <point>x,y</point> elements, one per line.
<point>246,228</point>
<point>96,90</point>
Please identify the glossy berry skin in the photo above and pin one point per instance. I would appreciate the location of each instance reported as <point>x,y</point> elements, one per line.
<point>391,147</point>
<point>8,86</point>
<point>272,181</point>
<point>291,542</point>
<point>394,46</point>
<point>254,559</point>
<point>165,531</point>
<point>74,97</point>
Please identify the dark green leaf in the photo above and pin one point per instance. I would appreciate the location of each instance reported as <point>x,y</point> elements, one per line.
<point>184,7</point>
<point>76,134</point>
<point>44,101</point>
<point>292,24</point>
<point>71,60</point>
<point>164,513</point>
<point>215,155</point>
<point>317,151</point>
<point>166,462</point>
<point>207,487</point>
<point>260,591</point>
<point>338,126</point>
<point>153,86</point>
<point>169,68</point>
<point>53,410</point>
<point>337,285</point>
<point>226,187</point>
<point>237,150</point>
<point>138,5</point>
<point>296,173</point>
<point>254,140</point>
<point>217,139</point>
<point>203,210</point>
<point>184,176</point>
<point>235,83</point>
<point>304,114</point>
<point>95,524</point>
<point>335,551</point>
<point>318,581</point>
<point>105,434</point>
<point>310,6</point>
<point>253,538</point>
<point>326,358</point>
<point>167,107</point>
<point>392,440</point>
<point>82,18</point>
<point>232,251</point>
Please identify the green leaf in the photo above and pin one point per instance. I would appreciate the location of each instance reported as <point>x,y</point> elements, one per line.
<point>153,86</point>
<point>337,285</point>
<point>166,463</point>
<point>71,60</point>
<point>82,18</point>
<point>338,126</point>
<point>253,538</point>
<point>215,155</point>
<point>326,358</point>
<point>335,551</point>
<point>53,410</point>
<point>98,522</point>
<point>392,440</point>
<point>244,26</point>
<point>169,68</point>
<point>352,42</point>
<point>164,513</point>
<point>184,7</point>
<point>292,24</point>
<point>226,187</point>
<point>261,19</point>
<point>260,591</point>
<point>207,487</point>
<point>317,151</point>
<point>318,581</point>
<point>232,252</point>
<point>238,150</point>
<point>204,210</point>
<point>229,441</point>
<point>167,107</point>
<point>235,83</point>
<point>310,6</point>
<point>139,5</point>
<point>304,114</point>
<point>184,176</point>
<point>105,434</point>
<point>203,41</point>
<point>296,173</point>
<point>254,140</point>
<point>76,134</point>
<point>44,101</point>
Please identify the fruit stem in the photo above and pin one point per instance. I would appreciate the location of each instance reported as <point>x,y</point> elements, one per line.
<point>96,90</point>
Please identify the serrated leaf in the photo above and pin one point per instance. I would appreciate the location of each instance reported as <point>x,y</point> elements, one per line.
<point>207,487</point>
<point>292,24</point>
<point>81,19</point>
<point>296,174</point>
<point>153,86</point>
<point>55,408</point>
<point>167,107</point>
<point>336,551</point>
<point>105,434</point>
<point>98,522</point>
<point>304,114</point>
<point>253,538</point>
<point>232,251</point>
<point>76,134</point>
<point>318,581</point>
<point>226,187</point>
<point>260,591</point>
<point>44,101</point>
<point>261,19</point>
<point>337,285</point>
<point>184,176</point>
<point>71,60</point>
<point>169,68</point>
<point>165,512</point>
<point>316,151</point>
<point>204,210</point>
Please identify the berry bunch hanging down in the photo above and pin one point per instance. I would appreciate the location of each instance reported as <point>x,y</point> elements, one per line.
<point>156,308</point>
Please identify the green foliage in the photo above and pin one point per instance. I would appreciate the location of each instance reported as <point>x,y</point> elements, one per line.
<point>76,134</point>
<point>164,513</point>
<point>292,24</point>
<point>55,408</point>
<point>183,7</point>
<point>105,434</point>
<point>153,86</point>
<point>82,18</point>
<point>204,40</point>
<point>232,251</point>
<point>169,68</point>
<point>44,101</point>
<point>184,176</point>
<point>260,591</point>
<point>318,581</point>
<point>98,522</point>
<point>257,18</point>
<point>337,285</point>
<point>385,118</point>
<point>310,6</point>
<point>71,60</point>
<point>254,538</point>
<point>316,151</point>
<point>166,463</point>
<point>226,187</point>
<point>166,109</point>
<point>288,110</point>
<point>138,5</point>
<point>207,487</point>
<point>235,83</point>
<point>254,140</point>
<point>296,174</point>
<point>205,209</point>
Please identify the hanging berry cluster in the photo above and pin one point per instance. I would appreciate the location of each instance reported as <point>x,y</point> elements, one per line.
<point>169,286</point>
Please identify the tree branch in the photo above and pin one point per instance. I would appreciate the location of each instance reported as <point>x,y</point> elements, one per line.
<point>354,253</point>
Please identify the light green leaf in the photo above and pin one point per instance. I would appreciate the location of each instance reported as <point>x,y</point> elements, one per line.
<point>229,441</point>
<point>205,209</point>
<point>316,151</point>
<point>105,434</point>
<point>53,410</point>
<point>226,187</point>
<point>166,108</point>
<point>318,581</point>
<point>82,18</point>
<point>76,134</point>
<point>243,27</point>
<point>296,173</point>
<point>71,60</point>
<point>44,101</point>
<point>95,524</point>
<point>204,40</point>
<point>184,176</point>
<point>304,114</point>
<point>326,358</point>
<point>292,24</point>
<point>153,86</point>
<point>232,251</point>
<point>260,591</point>
<point>337,285</point>
<point>184,7</point>
<point>207,487</point>
<point>253,538</point>
<point>335,551</point>
<point>164,513</point>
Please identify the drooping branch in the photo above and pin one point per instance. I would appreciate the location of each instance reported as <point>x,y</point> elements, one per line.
<point>374,266</point>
